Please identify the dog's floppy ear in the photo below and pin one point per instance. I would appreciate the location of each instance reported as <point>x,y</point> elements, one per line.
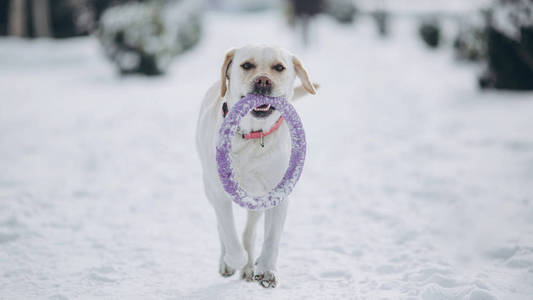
<point>224,71</point>
<point>302,74</point>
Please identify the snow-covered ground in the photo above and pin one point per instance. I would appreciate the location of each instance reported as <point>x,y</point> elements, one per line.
<point>416,185</point>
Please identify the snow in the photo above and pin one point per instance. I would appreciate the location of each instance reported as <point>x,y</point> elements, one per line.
<point>416,185</point>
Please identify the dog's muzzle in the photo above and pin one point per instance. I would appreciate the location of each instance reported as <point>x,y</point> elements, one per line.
<point>262,86</point>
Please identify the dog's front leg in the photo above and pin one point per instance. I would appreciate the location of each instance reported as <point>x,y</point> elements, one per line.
<point>223,268</point>
<point>267,262</point>
<point>248,241</point>
<point>233,254</point>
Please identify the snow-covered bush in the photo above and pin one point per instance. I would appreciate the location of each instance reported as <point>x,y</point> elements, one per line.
<point>471,40</point>
<point>510,17</point>
<point>144,37</point>
<point>343,11</point>
<point>510,46</point>
<point>429,31</point>
<point>244,5</point>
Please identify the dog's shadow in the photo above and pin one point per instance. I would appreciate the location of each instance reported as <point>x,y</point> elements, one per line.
<point>232,289</point>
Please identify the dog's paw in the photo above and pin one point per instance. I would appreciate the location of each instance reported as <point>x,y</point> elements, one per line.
<point>247,273</point>
<point>237,259</point>
<point>268,279</point>
<point>225,270</point>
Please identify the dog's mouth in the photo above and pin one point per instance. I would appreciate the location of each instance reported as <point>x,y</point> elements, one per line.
<point>263,111</point>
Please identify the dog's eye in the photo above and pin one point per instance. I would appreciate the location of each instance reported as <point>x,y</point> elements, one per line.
<point>247,66</point>
<point>279,67</point>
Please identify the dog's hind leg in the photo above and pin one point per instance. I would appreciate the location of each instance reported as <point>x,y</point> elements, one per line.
<point>233,254</point>
<point>267,261</point>
<point>248,240</point>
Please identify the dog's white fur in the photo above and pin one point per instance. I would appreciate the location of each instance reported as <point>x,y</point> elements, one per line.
<point>257,169</point>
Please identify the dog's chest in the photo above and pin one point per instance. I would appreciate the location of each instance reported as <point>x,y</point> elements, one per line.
<point>259,169</point>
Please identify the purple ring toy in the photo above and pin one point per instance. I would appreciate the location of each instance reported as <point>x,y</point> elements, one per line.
<point>296,161</point>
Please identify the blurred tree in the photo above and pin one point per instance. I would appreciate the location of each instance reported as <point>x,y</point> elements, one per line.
<point>4,7</point>
<point>17,18</point>
<point>41,18</point>
<point>66,16</point>
<point>381,16</point>
<point>302,13</point>
<point>52,18</point>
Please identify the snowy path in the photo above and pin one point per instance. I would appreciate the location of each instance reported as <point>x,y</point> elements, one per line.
<point>417,186</point>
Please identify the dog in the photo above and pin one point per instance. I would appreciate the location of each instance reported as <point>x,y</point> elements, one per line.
<point>258,163</point>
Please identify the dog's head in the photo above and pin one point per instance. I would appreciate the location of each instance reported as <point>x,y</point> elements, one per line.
<point>261,70</point>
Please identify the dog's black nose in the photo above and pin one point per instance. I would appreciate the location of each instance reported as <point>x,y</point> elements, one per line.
<point>262,85</point>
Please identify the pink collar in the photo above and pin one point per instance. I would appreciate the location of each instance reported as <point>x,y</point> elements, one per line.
<point>260,134</point>
<point>254,134</point>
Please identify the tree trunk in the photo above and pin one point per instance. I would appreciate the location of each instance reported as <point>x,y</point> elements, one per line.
<point>41,18</point>
<point>17,18</point>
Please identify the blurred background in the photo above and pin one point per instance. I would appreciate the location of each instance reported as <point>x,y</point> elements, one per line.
<point>143,36</point>
<point>418,181</point>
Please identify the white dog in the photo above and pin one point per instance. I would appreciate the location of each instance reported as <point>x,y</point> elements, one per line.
<point>259,159</point>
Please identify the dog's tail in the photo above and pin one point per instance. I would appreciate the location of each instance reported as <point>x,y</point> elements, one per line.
<point>300,91</point>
